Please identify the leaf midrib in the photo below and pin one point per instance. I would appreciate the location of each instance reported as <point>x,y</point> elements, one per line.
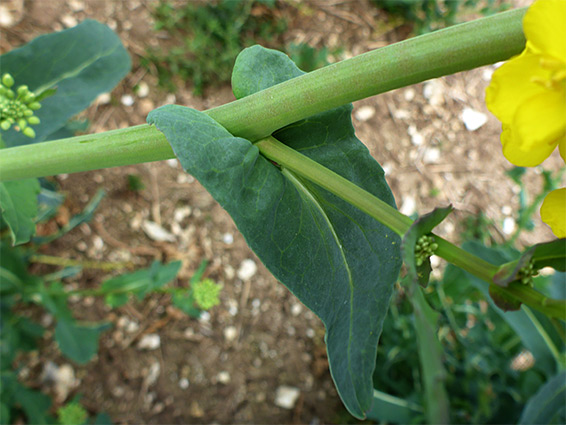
<point>305,192</point>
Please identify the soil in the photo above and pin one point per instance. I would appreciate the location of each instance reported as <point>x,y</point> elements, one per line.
<point>227,366</point>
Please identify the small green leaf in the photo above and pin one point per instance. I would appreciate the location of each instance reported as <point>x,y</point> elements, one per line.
<point>81,62</point>
<point>548,405</point>
<point>78,342</point>
<point>102,419</point>
<point>419,271</point>
<point>18,203</point>
<point>84,217</point>
<point>34,404</point>
<point>139,283</point>
<point>547,254</point>
<point>338,261</point>
<point>184,300</point>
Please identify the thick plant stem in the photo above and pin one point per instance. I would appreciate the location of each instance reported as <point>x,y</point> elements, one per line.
<point>254,117</point>
<point>311,170</point>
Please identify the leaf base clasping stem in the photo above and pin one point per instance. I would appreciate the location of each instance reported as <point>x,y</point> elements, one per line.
<point>311,170</point>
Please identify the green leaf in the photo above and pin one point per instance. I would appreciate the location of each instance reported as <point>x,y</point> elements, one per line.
<point>430,357</point>
<point>388,408</point>
<point>184,300</point>
<point>18,204</point>
<point>547,254</point>
<point>34,403</point>
<point>140,282</point>
<point>102,419</point>
<point>78,342</point>
<point>81,62</point>
<point>547,405</point>
<point>84,217</point>
<point>421,226</point>
<point>338,261</point>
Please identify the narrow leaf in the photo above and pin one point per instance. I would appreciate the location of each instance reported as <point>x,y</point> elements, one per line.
<point>388,408</point>
<point>548,405</point>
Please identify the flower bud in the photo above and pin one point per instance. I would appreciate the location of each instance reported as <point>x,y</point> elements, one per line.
<point>29,132</point>
<point>7,80</point>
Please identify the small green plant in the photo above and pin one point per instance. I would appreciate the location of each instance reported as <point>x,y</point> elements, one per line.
<point>72,414</point>
<point>309,58</point>
<point>221,29</point>
<point>431,15</point>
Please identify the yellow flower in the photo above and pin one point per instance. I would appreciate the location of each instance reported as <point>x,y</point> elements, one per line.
<point>553,211</point>
<point>528,93</point>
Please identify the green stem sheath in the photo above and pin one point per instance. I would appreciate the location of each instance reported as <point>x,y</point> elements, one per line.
<point>311,170</point>
<point>254,117</point>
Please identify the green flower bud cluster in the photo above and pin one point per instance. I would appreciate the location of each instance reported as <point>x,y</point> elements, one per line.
<point>16,107</point>
<point>206,293</point>
<point>526,274</point>
<point>424,248</point>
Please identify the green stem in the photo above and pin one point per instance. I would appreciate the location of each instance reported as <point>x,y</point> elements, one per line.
<point>287,157</point>
<point>338,185</point>
<point>254,117</point>
<point>546,337</point>
<point>66,262</point>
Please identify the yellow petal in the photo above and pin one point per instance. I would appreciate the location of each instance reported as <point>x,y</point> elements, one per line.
<point>511,85</point>
<point>536,129</point>
<point>553,212</point>
<point>544,25</point>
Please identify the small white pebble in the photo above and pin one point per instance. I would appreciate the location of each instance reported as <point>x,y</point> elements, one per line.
<point>409,94</point>
<point>170,99</point>
<point>173,162</point>
<point>230,333</point>
<point>409,205</point>
<point>183,383</point>
<point>181,213</point>
<point>431,156</point>
<point>228,238</point>
<point>223,377</point>
<point>102,99</point>
<point>143,89</point>
<point>127,100</point>
<point>296,309</point>
<point>364,113</point>
<point>247,270</point>
<point>286,396</point>
<point>310,333</point>
<point>473,119</point>
<point>69,21</point>
<point>149,342</point>
<point>508,225</point>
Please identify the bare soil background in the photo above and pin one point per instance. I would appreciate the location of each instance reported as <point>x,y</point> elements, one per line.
<point>227,366</point>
